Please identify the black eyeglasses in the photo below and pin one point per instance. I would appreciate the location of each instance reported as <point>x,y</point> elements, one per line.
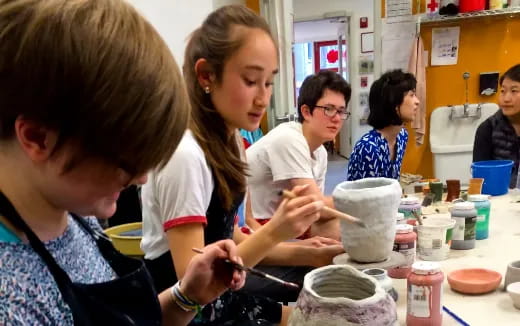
<point>331,112</point>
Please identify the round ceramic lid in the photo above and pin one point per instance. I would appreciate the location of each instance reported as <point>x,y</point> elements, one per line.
<point>400,216</point>
<point>403,228</point>
<point>410,200</point>
<point>464,205</point>
<point>478,197</point>
<point>426,267</point>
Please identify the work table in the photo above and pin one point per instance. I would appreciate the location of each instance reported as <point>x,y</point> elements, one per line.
<point>495,253</point>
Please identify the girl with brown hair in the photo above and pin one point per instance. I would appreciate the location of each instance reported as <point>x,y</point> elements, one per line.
<point>229,67</point>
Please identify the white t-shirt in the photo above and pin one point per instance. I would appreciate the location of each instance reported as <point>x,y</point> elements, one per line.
<point>178,194</point>
<point>279,156</point>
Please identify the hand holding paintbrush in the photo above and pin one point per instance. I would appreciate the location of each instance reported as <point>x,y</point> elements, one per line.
<point>254,271</point>
<point>330,211</point>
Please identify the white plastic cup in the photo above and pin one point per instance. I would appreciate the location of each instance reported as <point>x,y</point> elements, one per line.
<point>434,238</point>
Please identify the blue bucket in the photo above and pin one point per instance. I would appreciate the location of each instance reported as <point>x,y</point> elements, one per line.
<point>496,175</point>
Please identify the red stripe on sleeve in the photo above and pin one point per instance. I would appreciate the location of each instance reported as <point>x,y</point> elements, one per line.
<point>184,220</point>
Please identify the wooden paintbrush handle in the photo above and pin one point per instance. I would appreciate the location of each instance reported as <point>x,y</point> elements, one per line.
<point>326,209</point>
<point>338,214</point>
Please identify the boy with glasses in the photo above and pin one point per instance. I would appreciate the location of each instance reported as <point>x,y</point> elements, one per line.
<point>293,153</point>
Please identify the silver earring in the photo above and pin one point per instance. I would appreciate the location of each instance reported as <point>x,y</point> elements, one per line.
<point>206,90</point>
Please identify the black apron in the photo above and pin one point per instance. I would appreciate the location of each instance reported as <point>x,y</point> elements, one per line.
<point>129,299</point>
<point>232,308</point>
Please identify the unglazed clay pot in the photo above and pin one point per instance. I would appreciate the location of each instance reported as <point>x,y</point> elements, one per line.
<point>375,201</point>
<point>340,295</point>
<point>453,189</point>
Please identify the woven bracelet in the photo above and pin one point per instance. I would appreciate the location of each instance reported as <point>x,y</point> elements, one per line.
<point>185,303</point>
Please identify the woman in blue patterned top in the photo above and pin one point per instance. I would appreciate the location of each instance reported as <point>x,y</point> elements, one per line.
<point>379,153</point>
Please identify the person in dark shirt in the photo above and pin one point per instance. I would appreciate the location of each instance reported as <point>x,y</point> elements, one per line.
<point>498,137</point>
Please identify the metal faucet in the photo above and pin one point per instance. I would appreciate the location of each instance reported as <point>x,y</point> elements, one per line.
<point>465,76</point>
<point>466,110</point>
<point>478,111</point>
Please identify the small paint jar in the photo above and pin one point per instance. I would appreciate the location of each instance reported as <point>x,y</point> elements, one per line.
<point>424,289</point>
<point>483,207</point>
<point>465,216</point>
<point>453,186</point>
<point>404,243</point>
<point>400,219</point>
<point>408,205</point>
<point>382,278</point>
<point>436,188</point>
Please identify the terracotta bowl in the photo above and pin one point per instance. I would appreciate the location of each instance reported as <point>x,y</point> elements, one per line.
<point>474,280</point>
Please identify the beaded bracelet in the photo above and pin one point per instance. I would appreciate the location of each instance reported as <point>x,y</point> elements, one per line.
<point>185,303</point>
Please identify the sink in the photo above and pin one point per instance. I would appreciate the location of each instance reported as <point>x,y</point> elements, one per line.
<point>452,132</point>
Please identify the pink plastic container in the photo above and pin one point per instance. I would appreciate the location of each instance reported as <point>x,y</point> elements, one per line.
<point>424,306</point>
<point>472,5</point>
<point>404,243</point>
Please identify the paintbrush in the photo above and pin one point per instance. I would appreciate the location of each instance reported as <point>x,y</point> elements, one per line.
<point>254,271</point>
<point>330,211</point>
<point>417,217</point>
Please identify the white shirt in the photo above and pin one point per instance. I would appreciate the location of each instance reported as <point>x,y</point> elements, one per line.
<point>281,155</point>
<point>178,194</point>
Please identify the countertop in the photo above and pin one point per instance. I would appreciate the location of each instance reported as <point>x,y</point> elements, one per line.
<point>496,252</point>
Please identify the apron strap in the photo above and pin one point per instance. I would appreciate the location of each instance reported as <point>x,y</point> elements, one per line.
<point>94,233</point>
<point>105,246</point>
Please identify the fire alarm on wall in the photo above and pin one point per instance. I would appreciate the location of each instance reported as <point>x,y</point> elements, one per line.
<point>363,22</point>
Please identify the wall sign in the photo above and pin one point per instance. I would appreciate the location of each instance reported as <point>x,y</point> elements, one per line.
<point>367,42</point>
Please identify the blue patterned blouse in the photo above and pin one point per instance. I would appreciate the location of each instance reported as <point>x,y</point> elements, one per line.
<point>371,157</point>
<point>28,292</point>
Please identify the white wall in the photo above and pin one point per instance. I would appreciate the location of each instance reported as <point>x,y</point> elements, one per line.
<point>316,30</point>
<point>220,3</point>
<point>175,19</point>
<point>309,9</point>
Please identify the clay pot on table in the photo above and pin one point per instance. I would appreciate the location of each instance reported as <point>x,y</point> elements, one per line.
<point>453,189</point>
<point>375,201</point>
<point>339,295</point>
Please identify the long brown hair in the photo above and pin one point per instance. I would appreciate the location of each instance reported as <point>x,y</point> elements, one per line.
<point>97,73</point>
<point>217,40</point>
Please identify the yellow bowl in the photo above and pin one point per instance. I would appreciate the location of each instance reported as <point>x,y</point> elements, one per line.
<point>127,245</point>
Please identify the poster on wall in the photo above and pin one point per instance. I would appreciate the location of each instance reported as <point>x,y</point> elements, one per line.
<point>366,65</point>
<point>445,46</point>
<point>396,45</point>
<point>398,10</point>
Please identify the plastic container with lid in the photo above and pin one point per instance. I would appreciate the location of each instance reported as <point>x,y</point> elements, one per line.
<point>424,284</point>
<point>408,205</point>
<point>495,4</point>
<point>483,207</point>
<point>404,243</point>
<point>381,276</point>
<point>472,5</point>
<point>464,231</point>
<point>400,219</point>
<point>434,238</point>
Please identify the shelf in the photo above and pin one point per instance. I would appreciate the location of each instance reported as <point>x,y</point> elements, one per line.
<point>474,14</point>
